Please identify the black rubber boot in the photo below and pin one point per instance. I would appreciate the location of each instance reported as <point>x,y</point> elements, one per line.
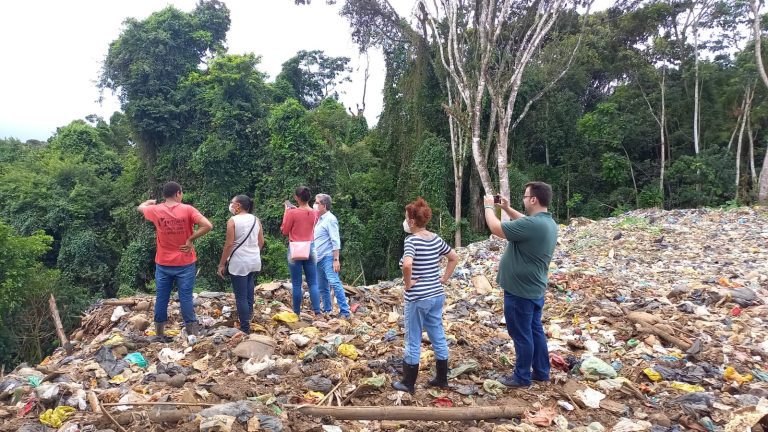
<point>441,375</point>
<point>410,372</point>
<point>160,333</point>
<point>193,329</point>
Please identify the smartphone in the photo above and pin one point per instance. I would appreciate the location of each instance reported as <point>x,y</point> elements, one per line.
<point>289,204</point>
<point>497,199</point>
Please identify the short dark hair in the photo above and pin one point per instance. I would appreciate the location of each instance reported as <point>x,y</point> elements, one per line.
<point>542,191</point>
<point>303,193</point>
<point>419,211</point>
<point>170,189</point>
<point>245,202</point>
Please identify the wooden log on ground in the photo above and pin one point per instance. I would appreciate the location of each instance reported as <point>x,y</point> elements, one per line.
<point>93,401</point>
<point>164,416</point>
<point>199,404</point>
<point>678,342</point>
<point>649,323</point>
<point>413,413</point>
<point>119,302</point>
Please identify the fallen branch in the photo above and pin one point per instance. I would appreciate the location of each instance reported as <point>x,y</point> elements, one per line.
<point>120,302</point>
<point>109,416</point>
<point>59,328</point>
<point>93,401</point>
<point>412,413</point>
<point>680,343</point>
<point>648,322</point>
<point>329,393</point>
<point>159,403</point>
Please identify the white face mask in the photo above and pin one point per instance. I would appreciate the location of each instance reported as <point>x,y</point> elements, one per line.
<point>316,206</point>
<point>406,227</point>
<point>232,208</point>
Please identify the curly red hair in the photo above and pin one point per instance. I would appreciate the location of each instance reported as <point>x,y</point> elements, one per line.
<point>419,211</point>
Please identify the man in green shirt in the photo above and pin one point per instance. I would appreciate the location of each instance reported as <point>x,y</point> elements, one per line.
<point>523,276</point>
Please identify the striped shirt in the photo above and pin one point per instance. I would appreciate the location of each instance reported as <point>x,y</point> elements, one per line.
<point>425,254</point>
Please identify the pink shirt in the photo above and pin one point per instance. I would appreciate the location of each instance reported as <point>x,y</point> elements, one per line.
<point>299,224</point>
<point>174,225</point>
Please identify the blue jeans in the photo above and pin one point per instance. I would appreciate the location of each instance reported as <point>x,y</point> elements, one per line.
<point>310,271</point>
<point>424,314</point>
<point>327,279</point>
<point>523,318</point>
<point>242,286</point>
<point>184,276</point>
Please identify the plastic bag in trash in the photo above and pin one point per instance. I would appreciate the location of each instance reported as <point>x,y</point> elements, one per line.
<point>108,362</point>
<point>137,359</point>
<point>55,417</point>
<point>594,367</point>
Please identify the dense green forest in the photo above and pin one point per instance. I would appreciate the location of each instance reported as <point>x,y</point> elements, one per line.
<point>645,104</point>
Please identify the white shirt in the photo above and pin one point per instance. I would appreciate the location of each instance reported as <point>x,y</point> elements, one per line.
<point>247,258</point>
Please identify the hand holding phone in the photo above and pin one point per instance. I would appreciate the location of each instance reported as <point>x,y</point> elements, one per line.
<point>289,205</point>
<point>497,199</point>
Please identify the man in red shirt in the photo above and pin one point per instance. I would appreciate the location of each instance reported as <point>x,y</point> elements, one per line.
<point>175,258</point>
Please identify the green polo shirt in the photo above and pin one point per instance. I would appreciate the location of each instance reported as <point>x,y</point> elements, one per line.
<point>523,267</point>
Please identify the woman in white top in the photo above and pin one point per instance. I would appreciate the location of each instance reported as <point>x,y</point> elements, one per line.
<point>242,248</point>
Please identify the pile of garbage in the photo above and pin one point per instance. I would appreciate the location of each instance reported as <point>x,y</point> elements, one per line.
<point>657,321</point>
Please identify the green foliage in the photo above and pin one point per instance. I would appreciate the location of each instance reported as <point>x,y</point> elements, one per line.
<point>274,260</point>
<point>25,327</point>
<point>650,196</point>
<point>312,77</point>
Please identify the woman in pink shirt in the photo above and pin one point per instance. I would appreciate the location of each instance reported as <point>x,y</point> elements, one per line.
<point>299,226</point>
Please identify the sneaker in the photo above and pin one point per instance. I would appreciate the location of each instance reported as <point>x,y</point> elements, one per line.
<point>344,316</point>
<point>511,381</point>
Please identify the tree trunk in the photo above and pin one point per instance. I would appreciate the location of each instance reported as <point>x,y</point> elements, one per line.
<point>738,145</point>
<point>752,172</point>
<point>757,34</point>
<point>476,211</point>
<point>696,96</point>
<point>662,127</point>
<point>762,194</point>
<point>458,156</point>
<point>457,214</point>
<point>762,191</point>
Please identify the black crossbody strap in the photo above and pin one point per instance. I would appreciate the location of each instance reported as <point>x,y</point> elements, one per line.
<point>244,239</point>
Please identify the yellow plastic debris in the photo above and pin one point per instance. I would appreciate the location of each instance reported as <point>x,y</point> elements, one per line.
<point>114,340</point>
<point>314,396</point>
<point>287,317</point>
<point>118,379</point>
<point>310,331</point>
<point>257,328</point>
<point>652,375</point>
<point>730,374</point>
<point>54,418</point>
<point>690,388</point>
<point>348,350</point>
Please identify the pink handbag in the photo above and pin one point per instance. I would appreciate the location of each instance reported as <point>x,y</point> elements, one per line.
<point>300,250</point>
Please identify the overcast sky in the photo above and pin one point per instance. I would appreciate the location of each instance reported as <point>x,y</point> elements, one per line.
<point>53,52</point>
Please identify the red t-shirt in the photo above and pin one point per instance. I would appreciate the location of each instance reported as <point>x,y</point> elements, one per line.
<point>299,224</point>
<point>174,225</point>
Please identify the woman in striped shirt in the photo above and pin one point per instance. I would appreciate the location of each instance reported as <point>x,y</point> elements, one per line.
<point>424,295</point>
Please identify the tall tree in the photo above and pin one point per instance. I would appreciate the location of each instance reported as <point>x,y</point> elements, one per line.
<point>145,64</point>
<point>762,193</point>
<point>314,76</point>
